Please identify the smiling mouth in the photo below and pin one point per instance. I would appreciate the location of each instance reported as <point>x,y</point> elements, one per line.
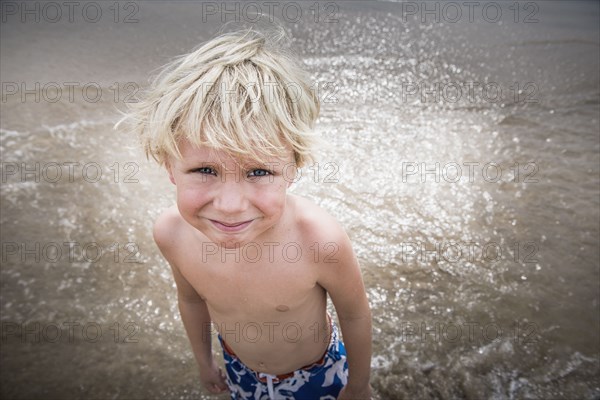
<point>230,227</point>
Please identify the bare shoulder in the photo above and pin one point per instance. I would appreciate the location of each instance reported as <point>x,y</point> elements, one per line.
<point>171,233</point>
<point>330,246</point>
<point>316,224</point>
<point>168,229</point>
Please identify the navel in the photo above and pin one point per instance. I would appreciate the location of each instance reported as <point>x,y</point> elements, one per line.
<point>282,308</point>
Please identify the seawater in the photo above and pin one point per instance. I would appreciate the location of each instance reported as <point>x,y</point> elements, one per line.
<point>463,163</point>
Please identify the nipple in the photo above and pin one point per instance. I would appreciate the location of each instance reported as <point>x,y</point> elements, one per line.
<point>282,308</point>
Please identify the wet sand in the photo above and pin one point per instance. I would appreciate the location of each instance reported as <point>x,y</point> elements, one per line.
<point>464,164</point>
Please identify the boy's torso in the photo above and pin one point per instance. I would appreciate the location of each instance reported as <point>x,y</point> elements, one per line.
<point>263,297</point>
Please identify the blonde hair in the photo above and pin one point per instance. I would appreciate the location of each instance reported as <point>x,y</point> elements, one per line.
<point>239,92</point>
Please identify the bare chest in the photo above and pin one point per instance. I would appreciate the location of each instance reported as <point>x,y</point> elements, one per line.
<point>256,280</point>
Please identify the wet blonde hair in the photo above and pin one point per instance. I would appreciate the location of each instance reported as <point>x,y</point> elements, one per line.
<point>240,92</point>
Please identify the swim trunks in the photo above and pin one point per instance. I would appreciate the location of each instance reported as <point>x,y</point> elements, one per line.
<point>322,380</point>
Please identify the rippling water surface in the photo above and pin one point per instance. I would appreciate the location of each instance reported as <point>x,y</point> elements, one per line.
<point>474,214</point>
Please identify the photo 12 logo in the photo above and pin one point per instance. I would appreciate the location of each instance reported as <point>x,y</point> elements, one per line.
<point>470,91</point>
<point>54,252</point>
<point>287,11</point>
<point>271,331</point>
<point>521,332</point>
<point>69,11</point>
<point>468,171</point>
<point>470,11</point>
<point>68,332</point>
<point>469,251</point>
<point>52,92</point>
<point>290,252</point>
<point>68,172</point>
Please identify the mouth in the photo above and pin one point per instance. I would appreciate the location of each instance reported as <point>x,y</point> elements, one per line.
<point>230,226</point>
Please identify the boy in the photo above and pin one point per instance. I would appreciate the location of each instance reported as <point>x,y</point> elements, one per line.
<point>231,122</point>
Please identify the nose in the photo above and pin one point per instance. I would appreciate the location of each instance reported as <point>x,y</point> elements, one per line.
<point>230,198</point>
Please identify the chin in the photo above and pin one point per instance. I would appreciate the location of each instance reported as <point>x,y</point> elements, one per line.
<point>230,242</point>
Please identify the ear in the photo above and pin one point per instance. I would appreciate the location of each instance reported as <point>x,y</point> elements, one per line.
<point>170,172</point>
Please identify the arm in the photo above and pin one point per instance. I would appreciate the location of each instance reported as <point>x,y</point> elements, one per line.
<point>196,321</point>
<point>193,310</point>
<point>343,281</point>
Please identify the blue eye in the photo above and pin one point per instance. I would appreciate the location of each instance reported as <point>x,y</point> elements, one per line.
<point>259,172</point>
<point>205,170</point>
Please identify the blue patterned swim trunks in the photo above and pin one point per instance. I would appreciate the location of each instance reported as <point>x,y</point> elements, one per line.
<point>322,380</point>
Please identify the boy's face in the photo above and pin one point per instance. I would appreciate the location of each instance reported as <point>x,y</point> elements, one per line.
<point>231,201</point>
